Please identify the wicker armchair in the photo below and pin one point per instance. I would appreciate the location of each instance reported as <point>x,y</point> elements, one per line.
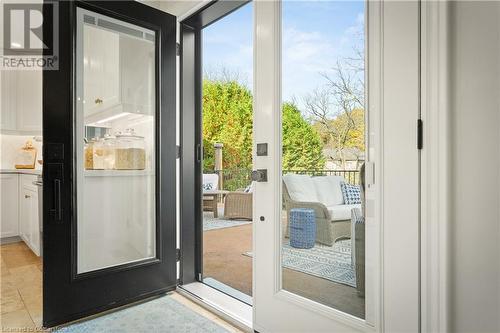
<point>238,205</point>
<point>327,231</point>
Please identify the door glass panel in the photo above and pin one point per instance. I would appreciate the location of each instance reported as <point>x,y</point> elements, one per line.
<point>323,151</point>
<point>227,153</point>
<point>115,142</point>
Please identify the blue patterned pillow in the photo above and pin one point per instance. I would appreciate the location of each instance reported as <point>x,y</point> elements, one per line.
<point>351,193</point>
<point>208,187</point>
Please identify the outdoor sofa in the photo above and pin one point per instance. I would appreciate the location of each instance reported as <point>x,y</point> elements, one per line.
<point>323,194</point>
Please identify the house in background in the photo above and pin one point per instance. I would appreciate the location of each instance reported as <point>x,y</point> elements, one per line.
<point>348,159</point>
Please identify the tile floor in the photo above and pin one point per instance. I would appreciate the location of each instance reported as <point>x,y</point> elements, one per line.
<point>21,287</point>
<point>21,291</point>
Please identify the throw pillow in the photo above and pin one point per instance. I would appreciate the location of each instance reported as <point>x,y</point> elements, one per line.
<point>351,193</point>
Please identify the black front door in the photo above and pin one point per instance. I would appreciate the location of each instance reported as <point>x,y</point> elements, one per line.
<point>109,157</point>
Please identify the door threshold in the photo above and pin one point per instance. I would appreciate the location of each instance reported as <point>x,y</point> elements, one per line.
<point>228,308</point>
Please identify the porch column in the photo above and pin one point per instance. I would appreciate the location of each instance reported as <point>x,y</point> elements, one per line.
<point>218,163</point>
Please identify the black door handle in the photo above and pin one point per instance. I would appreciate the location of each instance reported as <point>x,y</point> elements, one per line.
<point>259,175</point>
<point>199,153</point>
<point>57,200</point>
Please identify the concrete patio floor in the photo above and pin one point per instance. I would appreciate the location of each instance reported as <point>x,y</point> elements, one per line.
<point>224,260</point>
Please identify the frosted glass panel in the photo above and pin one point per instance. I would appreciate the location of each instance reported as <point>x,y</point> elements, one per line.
<point>115,142</point>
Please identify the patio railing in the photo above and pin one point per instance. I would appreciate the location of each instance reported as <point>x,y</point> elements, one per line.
<point>234,179</point>
<point>350,176</point>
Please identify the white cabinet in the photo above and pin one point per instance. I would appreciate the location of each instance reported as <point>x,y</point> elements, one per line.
<point>137,60</point>
<point>21,102</point>
<point>9,219</point>
<point>29,225</point>
<point>118,75</point>
<point>101,70</point>
<point>8,81</point>
<point>29,101</point>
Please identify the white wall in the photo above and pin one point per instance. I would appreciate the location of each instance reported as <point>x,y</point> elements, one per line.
<point>475,110</point>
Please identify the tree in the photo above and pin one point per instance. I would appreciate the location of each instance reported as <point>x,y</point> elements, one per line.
<point>302,146</point>
<point>337,108</point>
<point>227,119</point>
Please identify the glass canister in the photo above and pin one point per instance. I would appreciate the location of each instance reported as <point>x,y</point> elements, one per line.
<point>130,151</point>
<point>98,158</point>
<point>89,153</point>
<point>109,152</point>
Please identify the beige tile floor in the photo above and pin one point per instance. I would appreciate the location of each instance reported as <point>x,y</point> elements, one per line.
<point>21,292</point>
<point>21,287</point>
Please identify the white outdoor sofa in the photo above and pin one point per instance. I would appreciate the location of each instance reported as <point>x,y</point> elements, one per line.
<point>324,195</point>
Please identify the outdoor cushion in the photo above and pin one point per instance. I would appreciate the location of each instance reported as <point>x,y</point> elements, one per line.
<point>210,181</point>
<point>300,187</point>
<point>341,212</point>
<point>328,190</point>
<point>352,193</point>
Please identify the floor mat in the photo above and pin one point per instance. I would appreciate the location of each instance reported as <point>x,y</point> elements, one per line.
<point>163,314</point>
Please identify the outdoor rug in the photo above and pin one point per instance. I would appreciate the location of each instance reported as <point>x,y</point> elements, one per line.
<point>163,314</point>
<point>211,223</point>
<point>328,262</point>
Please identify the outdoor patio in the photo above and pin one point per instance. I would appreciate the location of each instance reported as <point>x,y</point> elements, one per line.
<point>227,249</point>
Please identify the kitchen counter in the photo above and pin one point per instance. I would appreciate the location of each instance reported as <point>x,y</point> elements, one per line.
<point>22,171</point>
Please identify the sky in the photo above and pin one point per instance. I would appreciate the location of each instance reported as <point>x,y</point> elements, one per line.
<point>315,35</point>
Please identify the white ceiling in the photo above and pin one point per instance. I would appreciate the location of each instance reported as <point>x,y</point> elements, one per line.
<point>179,8</point>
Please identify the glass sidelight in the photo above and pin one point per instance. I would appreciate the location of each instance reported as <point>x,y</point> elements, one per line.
<point>115,142</point>
<point>323,152</point>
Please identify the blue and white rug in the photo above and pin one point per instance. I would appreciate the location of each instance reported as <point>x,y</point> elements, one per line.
<point>163,314</point>
<point>212,223</point>
<point>328,262</point>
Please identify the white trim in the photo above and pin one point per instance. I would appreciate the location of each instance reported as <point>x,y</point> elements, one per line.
<point>436,164</point>
<point>192,10</point>
<point>373,192</point>
<point>228,308</point>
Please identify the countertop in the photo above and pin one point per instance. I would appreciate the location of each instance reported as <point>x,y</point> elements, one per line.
<point>22,171</point>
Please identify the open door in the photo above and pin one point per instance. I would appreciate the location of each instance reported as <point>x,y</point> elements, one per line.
<point>109,146</point>
<point>325,262</point>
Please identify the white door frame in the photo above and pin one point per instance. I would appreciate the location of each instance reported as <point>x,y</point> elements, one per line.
<point>436,164</point>
<point>393,295</point>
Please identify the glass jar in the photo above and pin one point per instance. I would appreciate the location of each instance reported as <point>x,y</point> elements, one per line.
<point>89,153</point>
<point>130,151</point>
<point>109,152</point>
<point>98,154</point>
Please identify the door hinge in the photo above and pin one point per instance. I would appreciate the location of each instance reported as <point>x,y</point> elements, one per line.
<point>177,49</point>
<point>420,134</point>
<point>177,254</point>
<point>178,152</point>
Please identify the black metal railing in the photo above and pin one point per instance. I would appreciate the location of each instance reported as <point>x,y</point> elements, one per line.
<point>350,176</point>
<point>234,179</point>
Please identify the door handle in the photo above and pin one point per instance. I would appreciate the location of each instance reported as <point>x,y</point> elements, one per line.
<point>259,175</point>
<point>57,200</point>
<point>198,153</point>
